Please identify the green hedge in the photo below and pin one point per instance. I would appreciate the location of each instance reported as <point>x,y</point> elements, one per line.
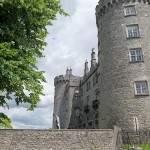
<point>144,146</point>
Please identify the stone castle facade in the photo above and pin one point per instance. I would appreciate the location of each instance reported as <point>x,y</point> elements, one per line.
<point>116,88</point>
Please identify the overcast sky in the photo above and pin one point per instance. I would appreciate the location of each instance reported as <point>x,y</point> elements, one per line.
<point>70,41</point>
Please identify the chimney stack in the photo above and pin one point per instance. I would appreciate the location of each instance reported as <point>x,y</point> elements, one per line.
<point>67,72</point>
<point>86,69</point>
<point>70,72</point>
<point>93,59</point>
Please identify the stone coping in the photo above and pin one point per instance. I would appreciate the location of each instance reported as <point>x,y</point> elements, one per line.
<point>55,130</point>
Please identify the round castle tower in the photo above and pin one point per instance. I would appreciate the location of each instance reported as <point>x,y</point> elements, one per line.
<point>60,83</point>
<point>64,90</point>
<point>124,61</point>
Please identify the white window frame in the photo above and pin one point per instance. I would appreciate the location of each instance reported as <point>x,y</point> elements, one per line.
<point>141,88</point>
<point>130,10</point>
<point>133,31</point>
<point>138,53</point>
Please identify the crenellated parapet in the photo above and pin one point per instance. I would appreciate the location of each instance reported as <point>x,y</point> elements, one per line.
<point>61,79</point>
<point>104,5</point>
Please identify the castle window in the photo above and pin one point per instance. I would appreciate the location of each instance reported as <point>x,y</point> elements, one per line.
<point>90,123</point>
<point>136,55</point>
<point>129,10</point>
<point>95,78</point>
<point>87,99</point>
<point>88,85</point>
<point>141,88</point>
<point>81,92</point>
<point>133,31</point>
<point>76,93</point>
<point>77,112</point>
<point>86,107</point>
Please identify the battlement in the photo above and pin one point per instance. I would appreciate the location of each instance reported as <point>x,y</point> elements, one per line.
<point>60,79</point>
<point>104,5</point>
<point>68,77</point>
<point>63,79</point>
<point>75,80</point>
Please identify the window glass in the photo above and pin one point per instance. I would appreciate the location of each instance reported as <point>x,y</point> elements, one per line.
<point>136,55</point>
<point>133,31</point>
<point>130,10</point>
<point>141,87</point>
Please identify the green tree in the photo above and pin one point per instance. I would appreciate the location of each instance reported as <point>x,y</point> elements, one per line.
<point>5,122</point>
<point>22,34</point>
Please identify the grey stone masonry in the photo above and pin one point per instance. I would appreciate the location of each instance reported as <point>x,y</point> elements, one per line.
<point>121,103</point>
<point>58,139</point>
<point>64,90</point>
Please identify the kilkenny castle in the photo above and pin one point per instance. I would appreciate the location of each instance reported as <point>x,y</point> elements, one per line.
<point>115,89</point>
<point>113,92</point>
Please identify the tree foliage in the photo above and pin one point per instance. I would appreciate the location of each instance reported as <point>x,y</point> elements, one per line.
<point>5,122</point>
<point>22,33</point>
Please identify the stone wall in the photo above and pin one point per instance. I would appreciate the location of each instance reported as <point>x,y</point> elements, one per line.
<point>58,139</point>
<point>119,103</point>
<point>130,137</point>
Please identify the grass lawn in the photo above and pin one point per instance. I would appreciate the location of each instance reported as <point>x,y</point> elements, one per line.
<point>144,146</point>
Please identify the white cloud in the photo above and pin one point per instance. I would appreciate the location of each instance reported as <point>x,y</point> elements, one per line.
<point>30,119</point>
<point>70,41</point>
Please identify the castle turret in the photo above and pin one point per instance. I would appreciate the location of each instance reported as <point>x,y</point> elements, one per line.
<point>70,72</point>
<point>67,72</point>
<point>124,59</point>
<point>64,91</point>
<point>60,83</point>
<point>93,58</point>
<point>86,68</point>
